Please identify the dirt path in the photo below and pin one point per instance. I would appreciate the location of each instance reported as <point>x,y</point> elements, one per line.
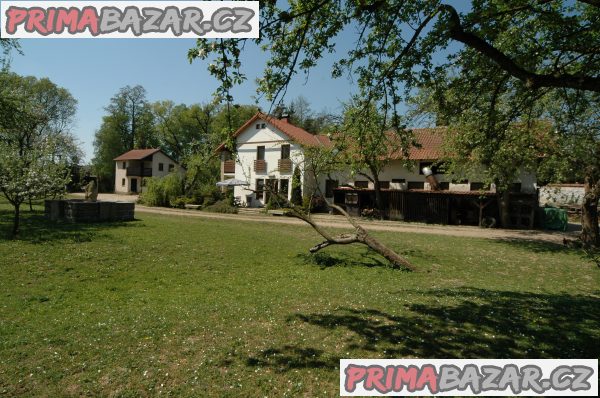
<point>391,226</point>
<point>339,222</point>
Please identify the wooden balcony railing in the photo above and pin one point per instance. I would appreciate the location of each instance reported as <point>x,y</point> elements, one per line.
<point>229,166</point>
<point>260,166</point>
<point>136,171</point>
<point>284,165</point>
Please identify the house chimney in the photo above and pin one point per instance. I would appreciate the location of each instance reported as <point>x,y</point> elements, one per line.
<point>285,118</point>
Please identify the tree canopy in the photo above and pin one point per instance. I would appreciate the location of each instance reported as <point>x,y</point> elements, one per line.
<point>36,147</point>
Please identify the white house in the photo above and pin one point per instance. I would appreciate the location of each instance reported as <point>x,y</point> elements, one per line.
<point>133,166</point>
<point>268,150</point>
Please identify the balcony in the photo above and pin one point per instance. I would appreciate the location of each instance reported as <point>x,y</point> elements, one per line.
<point>136,171</point>
<point>260,166</point>
<point>229,166</point>
<point>284,165</point>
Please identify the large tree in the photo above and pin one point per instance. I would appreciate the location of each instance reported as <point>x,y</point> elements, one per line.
<point>500,123</point>
<point>36,148</point>
<point>548,43</point>
<point>128,124</point>
<point>365,142</point>
<point>496,128</point>
<point>576,118</point>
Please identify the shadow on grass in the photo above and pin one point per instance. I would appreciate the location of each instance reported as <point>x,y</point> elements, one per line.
<point>326,259</point>
<point>364,258</point>
<point>36,228</point>
<point>537,246</point>
<point>289,357</point>
<point>457,323</point>
<point>590,255</point>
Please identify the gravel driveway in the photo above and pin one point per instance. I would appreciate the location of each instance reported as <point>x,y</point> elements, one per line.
<point>340,222</point>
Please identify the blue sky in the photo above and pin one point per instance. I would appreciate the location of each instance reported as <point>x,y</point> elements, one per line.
<point>93,70</point>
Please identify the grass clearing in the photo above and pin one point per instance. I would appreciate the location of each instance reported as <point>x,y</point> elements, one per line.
<point>202,307</point>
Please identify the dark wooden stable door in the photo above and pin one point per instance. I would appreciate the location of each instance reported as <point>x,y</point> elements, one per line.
<point>134,185</point>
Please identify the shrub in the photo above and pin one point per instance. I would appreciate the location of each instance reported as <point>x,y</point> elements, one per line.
<point>180,202</point>
<point>161,191</point>
<point>211,195</point>
<point>296,187</point>
<point>222,206</point>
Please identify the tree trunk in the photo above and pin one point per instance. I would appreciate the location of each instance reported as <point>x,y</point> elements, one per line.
<point>30,205</point>
<point>590,234</point>
<point>504,208</point>
<point>395,259</point>
<point>16,220</point>
<point>377,189</point>
<point>378,204</point>
<point>359,236</point>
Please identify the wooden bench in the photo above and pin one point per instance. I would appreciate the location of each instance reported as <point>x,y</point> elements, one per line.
<point>193,207</point>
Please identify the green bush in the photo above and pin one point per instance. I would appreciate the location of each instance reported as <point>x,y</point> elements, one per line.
<point>222,206</point>
<point>161,191</point>
<point>296,187</point>
<point>211,195</point>
<point>181,201</point>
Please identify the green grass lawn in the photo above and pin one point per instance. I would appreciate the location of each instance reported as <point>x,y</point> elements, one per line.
<point>198,307</point>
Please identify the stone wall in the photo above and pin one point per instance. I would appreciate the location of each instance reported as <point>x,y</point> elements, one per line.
<point>562,195</point>
<point>74,210</point>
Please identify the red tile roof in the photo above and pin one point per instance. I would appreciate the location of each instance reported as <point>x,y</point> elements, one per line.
<point>137,154</point>
<point>295,133</point>
<point>429,139</point>
<point>430,142</point>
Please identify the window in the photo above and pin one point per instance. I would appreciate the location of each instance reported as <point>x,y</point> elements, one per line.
<point>260,187</point>
<point>161,167</point>
<point>284,187</point>
<point>444,186</point>
<point>351,199</point>
<point>384,184</point>
<point>122,182</point>
<point>476,186</point>
<point>416,185</point>
<point>285,152</point>
<point>260,153</point>
<point>330,185</point>
<point>171,167</point>
<point>143,182</point>
<point>397,183</point>
<point>124,165</point>
<point>257,126</point>
<point>262,126</point>
<point>361,184</point>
